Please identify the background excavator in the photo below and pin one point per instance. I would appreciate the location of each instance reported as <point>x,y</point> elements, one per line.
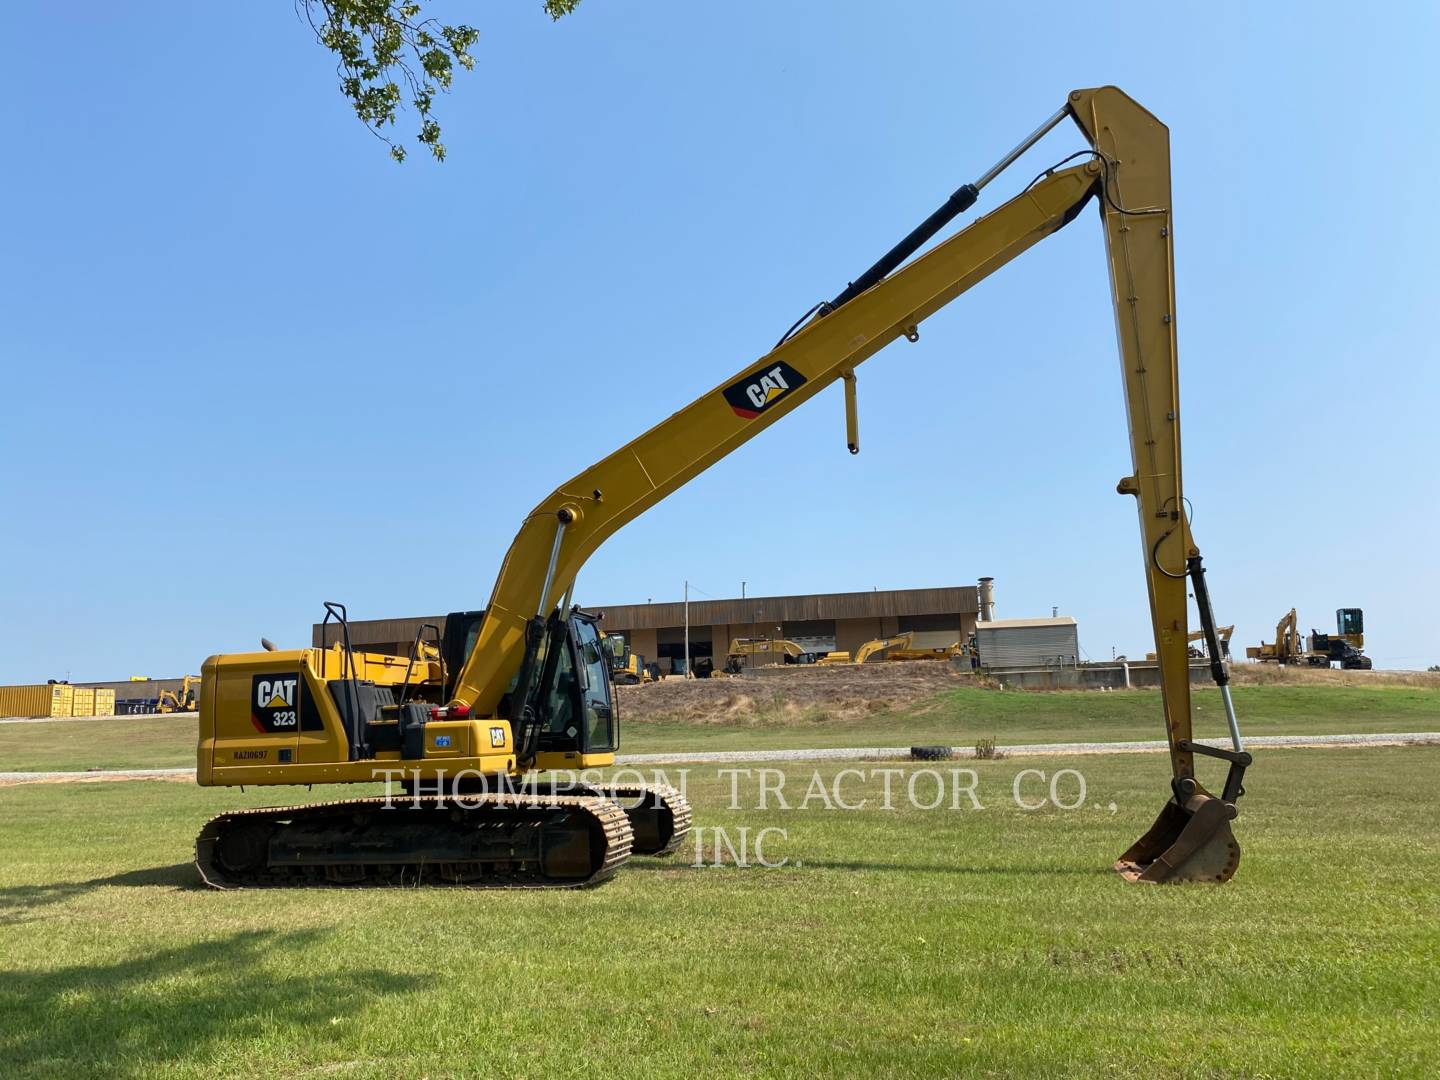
<point>750,652</point>
<point>183,700</point>
<point>1344,647</point>
<point>872,650</point>
<point>1286,648</point>
<point>894,647</point>
<point>522,688</point>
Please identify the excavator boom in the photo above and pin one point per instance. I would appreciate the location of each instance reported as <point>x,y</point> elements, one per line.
<point>1128,169</point>
<point>561,533</point>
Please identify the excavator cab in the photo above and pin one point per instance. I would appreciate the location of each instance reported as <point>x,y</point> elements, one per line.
<point>560,704</point>
<point>578,713</point>
<point>1350,625</point>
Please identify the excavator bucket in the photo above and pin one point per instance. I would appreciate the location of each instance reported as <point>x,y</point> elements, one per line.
<point>1192,842</point>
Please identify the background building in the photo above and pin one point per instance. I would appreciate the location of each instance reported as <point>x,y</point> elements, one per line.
<point>819,622</point>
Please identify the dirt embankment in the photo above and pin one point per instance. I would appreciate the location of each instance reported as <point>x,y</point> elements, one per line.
<point>801,694</point>
<point>811,694</point>
<point>1243,674</point>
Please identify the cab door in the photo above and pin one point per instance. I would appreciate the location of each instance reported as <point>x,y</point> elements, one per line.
<point>593,668</point>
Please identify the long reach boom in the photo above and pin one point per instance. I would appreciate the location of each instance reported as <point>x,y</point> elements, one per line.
<point>1127,172</point>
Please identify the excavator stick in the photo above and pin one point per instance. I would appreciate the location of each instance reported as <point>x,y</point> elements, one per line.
<point>1191,839</point>
<point>1187,843</point>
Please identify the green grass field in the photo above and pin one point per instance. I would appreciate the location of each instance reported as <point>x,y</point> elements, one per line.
<point>957,717</point>
<point>893,943</point>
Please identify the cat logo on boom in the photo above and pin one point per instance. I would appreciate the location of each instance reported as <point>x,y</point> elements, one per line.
<point>755,393</point>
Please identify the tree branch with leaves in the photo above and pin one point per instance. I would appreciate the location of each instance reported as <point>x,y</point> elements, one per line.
<point>388,51</point>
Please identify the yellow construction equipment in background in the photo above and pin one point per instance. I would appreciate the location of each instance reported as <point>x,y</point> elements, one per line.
<point>1223,634</point>
<point>755,652</point>
<point>626,667</point>
<point>1286,648</point>
<point>523,686</point>
<point>913,651</point>
<point>1345,647</point>
<point>894,647</point>
<point>187,699</point>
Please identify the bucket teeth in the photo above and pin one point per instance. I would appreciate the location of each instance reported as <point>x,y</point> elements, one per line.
<point>1187,843</point>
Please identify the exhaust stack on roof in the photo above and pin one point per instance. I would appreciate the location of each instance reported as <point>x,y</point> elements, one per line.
<point>987,599</point>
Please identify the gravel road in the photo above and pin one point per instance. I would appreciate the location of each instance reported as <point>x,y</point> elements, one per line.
<point>848,753</point>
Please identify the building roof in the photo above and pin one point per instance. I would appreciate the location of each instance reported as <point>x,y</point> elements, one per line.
<point>1016,624</point>
<point>874,604</point>
<point>851,605</point>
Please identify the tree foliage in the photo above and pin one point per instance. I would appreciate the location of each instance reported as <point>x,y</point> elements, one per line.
<point>389,50</point>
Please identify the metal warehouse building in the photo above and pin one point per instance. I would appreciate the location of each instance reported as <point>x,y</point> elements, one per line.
<point>819,622</point>
<point>1009,644</point>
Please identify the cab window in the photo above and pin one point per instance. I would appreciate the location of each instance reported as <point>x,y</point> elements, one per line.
<point>599,713</point>
<point>560,711</point>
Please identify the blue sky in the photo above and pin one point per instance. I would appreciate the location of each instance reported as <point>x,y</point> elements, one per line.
<point>250,364</point>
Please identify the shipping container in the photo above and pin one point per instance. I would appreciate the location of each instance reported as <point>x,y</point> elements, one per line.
<point>104,702</point>
<point>84,704</point>
<point>43,699</point>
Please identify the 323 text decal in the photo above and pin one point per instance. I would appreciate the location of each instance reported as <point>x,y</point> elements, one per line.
<point>273,703</point>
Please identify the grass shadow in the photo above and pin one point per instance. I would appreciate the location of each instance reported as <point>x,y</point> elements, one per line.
<point>18,902</point>
<point>176,1006</point>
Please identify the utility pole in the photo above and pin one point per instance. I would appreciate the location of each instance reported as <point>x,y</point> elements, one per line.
<point>687,629</point>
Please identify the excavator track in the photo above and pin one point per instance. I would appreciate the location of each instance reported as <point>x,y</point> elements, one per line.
<point>660,816</point>
<point>479,842</point>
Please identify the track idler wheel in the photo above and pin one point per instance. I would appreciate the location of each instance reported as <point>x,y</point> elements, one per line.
<point>1192,842</point>
<point>244,849</point>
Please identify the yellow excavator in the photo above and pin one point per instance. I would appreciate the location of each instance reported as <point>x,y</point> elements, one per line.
<point>1287,648</point>
<point>1344,647</point>
<point>881,648</point>
<point>749,652</point>
<point>522,688</point>
<point>914,652</point>
<point>183,700</point>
